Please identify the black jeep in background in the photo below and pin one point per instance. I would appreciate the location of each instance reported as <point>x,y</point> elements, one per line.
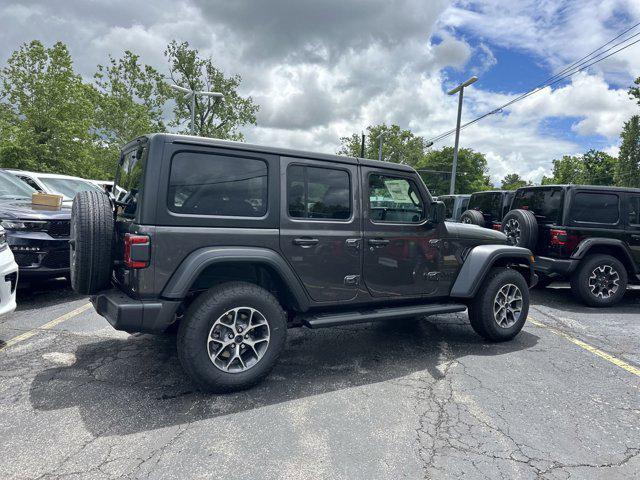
<point>587,234</point>
<point>238,242</point>
<point>487,209</point>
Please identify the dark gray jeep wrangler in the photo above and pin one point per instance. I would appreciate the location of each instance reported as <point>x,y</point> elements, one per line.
<point>234,243</point>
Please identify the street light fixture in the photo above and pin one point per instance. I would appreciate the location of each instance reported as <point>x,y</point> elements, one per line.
<point>460,88</point>
<point>191,94</point>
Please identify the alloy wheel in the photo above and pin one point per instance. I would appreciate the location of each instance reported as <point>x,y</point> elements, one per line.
<point>507,305</point>
<point>604,281</point>
<point>238,339</point>
<point>512,231</point>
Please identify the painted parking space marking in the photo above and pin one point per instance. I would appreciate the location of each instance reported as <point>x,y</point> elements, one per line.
<point>596,351</point>
<point>46,326</point>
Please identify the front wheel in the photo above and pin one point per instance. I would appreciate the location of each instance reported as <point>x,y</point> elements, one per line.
<point>500,308</point>
<point>231,337</point>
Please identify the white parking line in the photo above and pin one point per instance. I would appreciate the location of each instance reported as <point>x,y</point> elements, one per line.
<point>46,326</point>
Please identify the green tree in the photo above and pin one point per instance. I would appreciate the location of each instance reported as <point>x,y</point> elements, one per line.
<point>568,169</point>
<point>634,92</point>
<point>472,171</point>
<point>129,100</point>
<point>212,119</point>
<point>513,181</point>
<point>628,168</point>
<point>400,146</point>
<point>46,113</point>
<point>598,168</point>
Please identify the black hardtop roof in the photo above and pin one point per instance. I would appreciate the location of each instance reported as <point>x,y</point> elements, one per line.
<point>493,191</point>
<point>572,186</point>
<point>455,195</point>
<point>285,152</point>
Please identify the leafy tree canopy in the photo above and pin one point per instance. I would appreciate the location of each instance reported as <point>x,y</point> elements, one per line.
<point>513,181</point>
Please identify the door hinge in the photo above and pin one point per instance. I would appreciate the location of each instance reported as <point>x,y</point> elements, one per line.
<point>352,280</point>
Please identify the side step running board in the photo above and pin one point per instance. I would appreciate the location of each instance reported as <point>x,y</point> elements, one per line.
<point>361,316</point>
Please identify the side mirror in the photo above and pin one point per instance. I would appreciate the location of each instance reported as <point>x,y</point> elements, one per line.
<point>437,212</point>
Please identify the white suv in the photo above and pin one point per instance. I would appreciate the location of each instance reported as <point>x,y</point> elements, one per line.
<point>64,185</point>
<point>8,277</point>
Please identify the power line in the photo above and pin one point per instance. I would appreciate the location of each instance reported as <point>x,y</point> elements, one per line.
<point>575,67</point>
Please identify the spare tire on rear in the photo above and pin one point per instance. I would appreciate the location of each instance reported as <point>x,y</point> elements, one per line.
<point>473,217</point>
<point>91,243</point>
<point>521,228</point>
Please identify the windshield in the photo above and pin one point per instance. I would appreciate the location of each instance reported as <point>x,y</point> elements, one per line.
<point>544,203</point>
<point>67,187</point>
<point>12,187</point>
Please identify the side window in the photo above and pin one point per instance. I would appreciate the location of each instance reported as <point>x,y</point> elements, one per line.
<point>30,182</point>
<point>595,208</point>
<point>220,185</point>
<point>448,205</point>
<point>318,193</point>
<point>634,211</point>
<point>393,199</point>
<point>465,204</point>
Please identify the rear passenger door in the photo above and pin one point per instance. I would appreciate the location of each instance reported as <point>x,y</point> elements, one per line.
<point>633,226</point>
<point>320,229</point>
<point>596,213</point>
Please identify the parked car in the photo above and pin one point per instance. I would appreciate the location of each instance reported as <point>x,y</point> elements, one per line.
<point>454,205</point>
<point>487,209</point>
<point>64,185</point>
<point>37,235</point>
<point>107,186</point>
<point>238,242</point>
<point>8,276</point>
<point>589,235</point>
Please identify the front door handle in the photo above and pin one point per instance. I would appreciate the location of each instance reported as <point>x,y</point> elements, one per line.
<point>378,242</point>
<point>305,242</point>
<point>635,237</point>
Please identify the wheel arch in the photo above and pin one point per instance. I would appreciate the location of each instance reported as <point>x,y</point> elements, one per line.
<point>206,267</point>
<point>481,259</point>
<point>606,246</point>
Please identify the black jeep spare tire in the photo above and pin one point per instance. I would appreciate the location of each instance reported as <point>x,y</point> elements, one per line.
<point>521,228</point>
<point>473,217</point>
<point>91,242</point>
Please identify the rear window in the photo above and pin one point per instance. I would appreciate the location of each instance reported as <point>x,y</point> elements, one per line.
<point>490,204</point>
<point>544,203</point>
<point>217,185</point>
<point>448,206</point>
<point>595,208</point>
<point>318,193</point>
<point>129,179</point>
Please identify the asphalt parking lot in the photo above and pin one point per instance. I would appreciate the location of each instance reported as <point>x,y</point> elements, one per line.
<point>416,399</point>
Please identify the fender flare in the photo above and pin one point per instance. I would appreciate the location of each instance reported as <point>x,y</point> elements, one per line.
<point>479,261</point>
<point>194,264</point>
<point>585,245</point>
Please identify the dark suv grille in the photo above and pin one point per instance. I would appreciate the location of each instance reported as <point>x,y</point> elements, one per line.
<point>56,259</point>
<point>59,228</point>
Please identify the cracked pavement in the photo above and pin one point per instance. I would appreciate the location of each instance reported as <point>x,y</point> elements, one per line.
<point>410,399</point>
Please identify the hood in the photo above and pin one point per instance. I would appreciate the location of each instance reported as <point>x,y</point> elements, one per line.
<point>25,210</point>
<point>474,232</point>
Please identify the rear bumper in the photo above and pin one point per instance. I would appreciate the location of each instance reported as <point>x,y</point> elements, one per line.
<point>555,266</point>
<point>131,315</point>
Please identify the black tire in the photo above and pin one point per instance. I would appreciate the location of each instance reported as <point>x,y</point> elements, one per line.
<point>91,243</point>
<point>580,281</point>
<point>472,217</point>
<point>481,310</point>
<point>198,323</point>
<point>521,228</point>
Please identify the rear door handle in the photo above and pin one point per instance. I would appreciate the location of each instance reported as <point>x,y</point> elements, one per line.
<point>635,237</point>
<point>378,242</point>
<point>305,242</point>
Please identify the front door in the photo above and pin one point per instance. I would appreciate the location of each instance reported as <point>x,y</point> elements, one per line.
<point>402,251</point>
<point>320,227</point>
<point>633,226</point>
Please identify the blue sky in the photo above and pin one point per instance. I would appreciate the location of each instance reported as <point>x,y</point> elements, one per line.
<point>324,70</point>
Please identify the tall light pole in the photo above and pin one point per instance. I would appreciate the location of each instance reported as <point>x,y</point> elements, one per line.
<point>459,88</point>
<point>380,140</point>
<point>191,95</point>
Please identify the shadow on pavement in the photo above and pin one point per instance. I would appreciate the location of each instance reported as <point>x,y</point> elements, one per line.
<point>39,293</point>
<point>560,298</point>
<point>122,386</point>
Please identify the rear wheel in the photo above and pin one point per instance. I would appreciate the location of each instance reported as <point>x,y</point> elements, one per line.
<point>91,242</point>
<point>500,308</point>
<point>600,281</point>
<point>473,217</point>
<point>231,337</point>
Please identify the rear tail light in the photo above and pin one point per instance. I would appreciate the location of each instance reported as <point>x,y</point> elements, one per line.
<point>497,226</point>
<point>136,251</point>
<point>561,238</point>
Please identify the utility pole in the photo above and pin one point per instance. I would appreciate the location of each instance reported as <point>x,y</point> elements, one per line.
<point>380,140</point>
<point>460,88</point>
<point>191,95</point>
